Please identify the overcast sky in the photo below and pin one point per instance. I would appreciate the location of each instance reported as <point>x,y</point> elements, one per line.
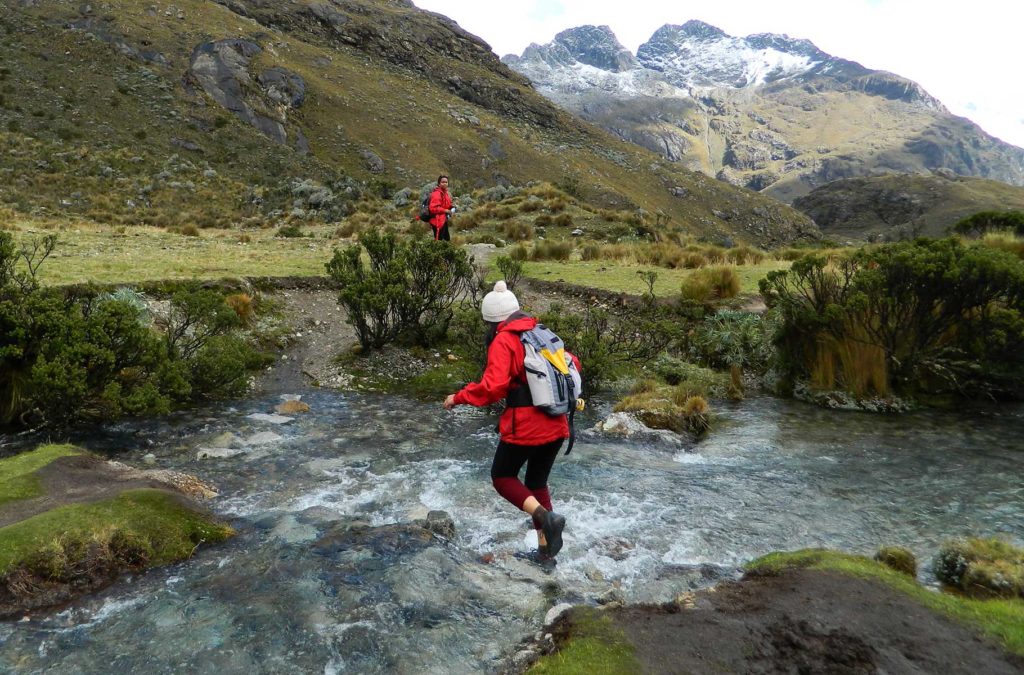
<point>966,54</point>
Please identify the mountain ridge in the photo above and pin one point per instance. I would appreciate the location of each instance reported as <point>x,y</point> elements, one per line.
<point>221,111</point>
<point>709,100</point>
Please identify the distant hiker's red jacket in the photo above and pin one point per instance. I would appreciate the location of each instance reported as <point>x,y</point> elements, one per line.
<point>520,426</point>
<point>440,201</point>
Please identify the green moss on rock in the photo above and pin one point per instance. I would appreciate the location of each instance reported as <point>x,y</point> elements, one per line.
<point>593,645</point>
<point>898,558</point>
<point>982,567</point>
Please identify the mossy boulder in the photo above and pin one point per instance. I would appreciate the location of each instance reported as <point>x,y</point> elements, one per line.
<point>983,567</point>
<point>898,558</point>
<point>676,408</point>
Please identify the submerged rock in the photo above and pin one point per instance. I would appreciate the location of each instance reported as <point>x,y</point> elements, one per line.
<point>626,425</point>
<point>271,419</point>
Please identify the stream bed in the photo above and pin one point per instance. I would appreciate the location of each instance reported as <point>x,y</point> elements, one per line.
<point>330,573</point>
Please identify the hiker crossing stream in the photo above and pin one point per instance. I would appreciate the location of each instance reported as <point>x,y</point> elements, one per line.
<point>339,565</point>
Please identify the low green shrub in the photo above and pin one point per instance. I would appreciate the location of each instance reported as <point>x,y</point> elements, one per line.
<point>511,270</point>
<point>407,290</point>
<point>941,318</point>
<point>84,355</point>
<point>988,221</point>
<point>290,231</point>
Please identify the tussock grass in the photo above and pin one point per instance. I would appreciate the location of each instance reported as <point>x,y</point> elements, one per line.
<point>853,363</point>
<point>709,284</point>
<point>1005,241</point>
<point>551,250</point>
<point>982,567</point>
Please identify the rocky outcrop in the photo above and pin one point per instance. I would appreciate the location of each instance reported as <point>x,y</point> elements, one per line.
<point>222,70</point>
<point>398,33</point>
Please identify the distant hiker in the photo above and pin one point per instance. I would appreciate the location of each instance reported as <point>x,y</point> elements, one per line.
<point>529,435</point>
<point>441,209</point>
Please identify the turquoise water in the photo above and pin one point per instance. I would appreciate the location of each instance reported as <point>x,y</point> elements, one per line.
<point>327,574</point>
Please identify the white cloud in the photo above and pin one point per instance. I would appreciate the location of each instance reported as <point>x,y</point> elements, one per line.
<point>959,52</point>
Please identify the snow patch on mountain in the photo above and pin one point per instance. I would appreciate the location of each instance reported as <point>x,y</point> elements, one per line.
<point>724,62</point>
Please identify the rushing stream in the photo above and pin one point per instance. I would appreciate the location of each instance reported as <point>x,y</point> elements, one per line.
<point>304,588</point>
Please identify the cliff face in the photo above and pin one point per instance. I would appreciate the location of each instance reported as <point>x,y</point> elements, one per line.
<point>229,104</point>
<point>766,112</point>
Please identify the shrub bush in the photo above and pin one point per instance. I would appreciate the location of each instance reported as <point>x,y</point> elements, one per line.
<point>82,355</point>
<point>290,231</point>
<point>511,270</point>
<point>605,345</point>
<point>988,221</point>
<point>406,291</point>
<point>941,317</point>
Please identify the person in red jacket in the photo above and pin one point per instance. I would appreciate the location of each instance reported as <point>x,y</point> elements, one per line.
<point>528,435</point>
<point>441,209</point>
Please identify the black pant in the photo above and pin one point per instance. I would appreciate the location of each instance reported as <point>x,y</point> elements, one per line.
<point>441,233</point>
<point>509,460</point>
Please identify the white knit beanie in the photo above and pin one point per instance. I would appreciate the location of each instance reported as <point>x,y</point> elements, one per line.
<point>499,304</point>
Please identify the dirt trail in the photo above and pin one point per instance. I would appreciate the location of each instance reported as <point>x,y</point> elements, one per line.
<point>83,479</point>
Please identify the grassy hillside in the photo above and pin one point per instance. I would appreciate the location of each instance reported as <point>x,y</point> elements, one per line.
<point>899,206</point>
<point>120,114</point>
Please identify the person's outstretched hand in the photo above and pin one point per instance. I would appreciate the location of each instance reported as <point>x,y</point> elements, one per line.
<point>449,402</point>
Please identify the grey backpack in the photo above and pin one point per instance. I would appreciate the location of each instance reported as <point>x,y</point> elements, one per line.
<point>551,374</point>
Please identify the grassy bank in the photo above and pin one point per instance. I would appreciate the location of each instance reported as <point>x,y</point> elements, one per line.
<point>50,557</point>
<point>999,619</point>
<point>89,252</point>
<point>18,479</point>
<point>620,277</point>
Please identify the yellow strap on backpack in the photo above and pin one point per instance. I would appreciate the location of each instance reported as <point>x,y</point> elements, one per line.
<point>557,359</point>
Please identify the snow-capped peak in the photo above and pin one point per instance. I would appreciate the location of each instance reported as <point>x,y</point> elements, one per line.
<point>698,55</point>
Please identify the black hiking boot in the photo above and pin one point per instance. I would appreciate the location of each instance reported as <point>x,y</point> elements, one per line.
<point>539,558</point>
<point>552,525</point>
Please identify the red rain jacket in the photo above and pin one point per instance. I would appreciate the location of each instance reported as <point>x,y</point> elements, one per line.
<point>504,371</point>
<point>440,201</point>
